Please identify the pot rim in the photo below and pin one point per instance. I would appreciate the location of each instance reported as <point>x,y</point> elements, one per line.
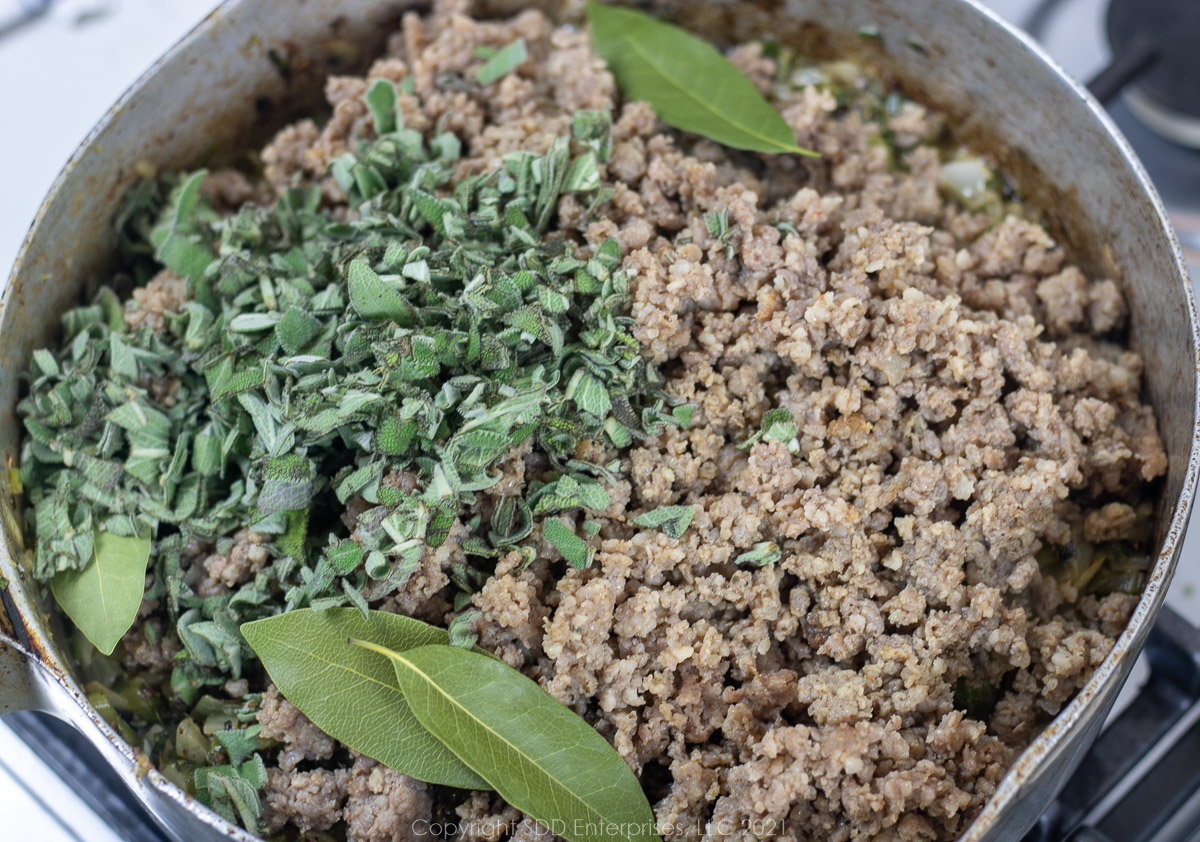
<point>1044,746</point>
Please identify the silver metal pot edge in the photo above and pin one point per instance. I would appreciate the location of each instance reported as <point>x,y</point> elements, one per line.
<point>44,684</point>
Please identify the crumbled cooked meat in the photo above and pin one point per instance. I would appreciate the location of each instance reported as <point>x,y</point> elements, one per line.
<point>283,158</point>
<point>226,190</point>
<point>941,439</point>
<point>383,805</point>
<point>306,800</point>
<point>515,610</point>
<point>1112,522</point>
<point>960,404</point>
<point>147,646</point>
<point>223,571</point>
<point>163,294</point>
<point>302,740</point>
<point>483,817</point>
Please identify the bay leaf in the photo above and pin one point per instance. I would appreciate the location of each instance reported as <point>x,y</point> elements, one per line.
<point>102,598</point>
<point>687,81</point>
<point>350,693</point>
<point>540,756</point>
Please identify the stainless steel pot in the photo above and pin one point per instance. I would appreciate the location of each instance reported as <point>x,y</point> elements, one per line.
<point>211,90</point>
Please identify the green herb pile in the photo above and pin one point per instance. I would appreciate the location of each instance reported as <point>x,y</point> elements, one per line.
<point>316,356</point>
<point>433,332</point>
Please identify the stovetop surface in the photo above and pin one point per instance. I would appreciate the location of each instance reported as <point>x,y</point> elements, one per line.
<point>77,56</point>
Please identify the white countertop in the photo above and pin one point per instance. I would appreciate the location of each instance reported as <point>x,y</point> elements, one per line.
<point>61,72</point>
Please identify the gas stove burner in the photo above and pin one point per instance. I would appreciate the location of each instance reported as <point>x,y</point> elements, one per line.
<point>1156,48</point>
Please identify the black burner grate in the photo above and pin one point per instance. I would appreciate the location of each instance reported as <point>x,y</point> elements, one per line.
<point>1168,32</point>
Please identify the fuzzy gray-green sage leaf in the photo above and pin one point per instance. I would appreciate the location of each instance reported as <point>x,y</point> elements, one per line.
<point>504,61</point>
<point>674,520</point>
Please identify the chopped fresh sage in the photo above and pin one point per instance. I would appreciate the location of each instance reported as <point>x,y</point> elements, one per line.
<point>573,548</point>
<point>317,360</point>
<point>381,102</point>
<point>674,520</point>
<point>683,414</point>
<point>717,225</point>
<point>541,757</point>
<point>687,81</point>
<point>239,743</point>
<point>502,62</point>
<point>460,629</point>
<point>761,554</point>
<point>233,791</point>
<point>777,425</point>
